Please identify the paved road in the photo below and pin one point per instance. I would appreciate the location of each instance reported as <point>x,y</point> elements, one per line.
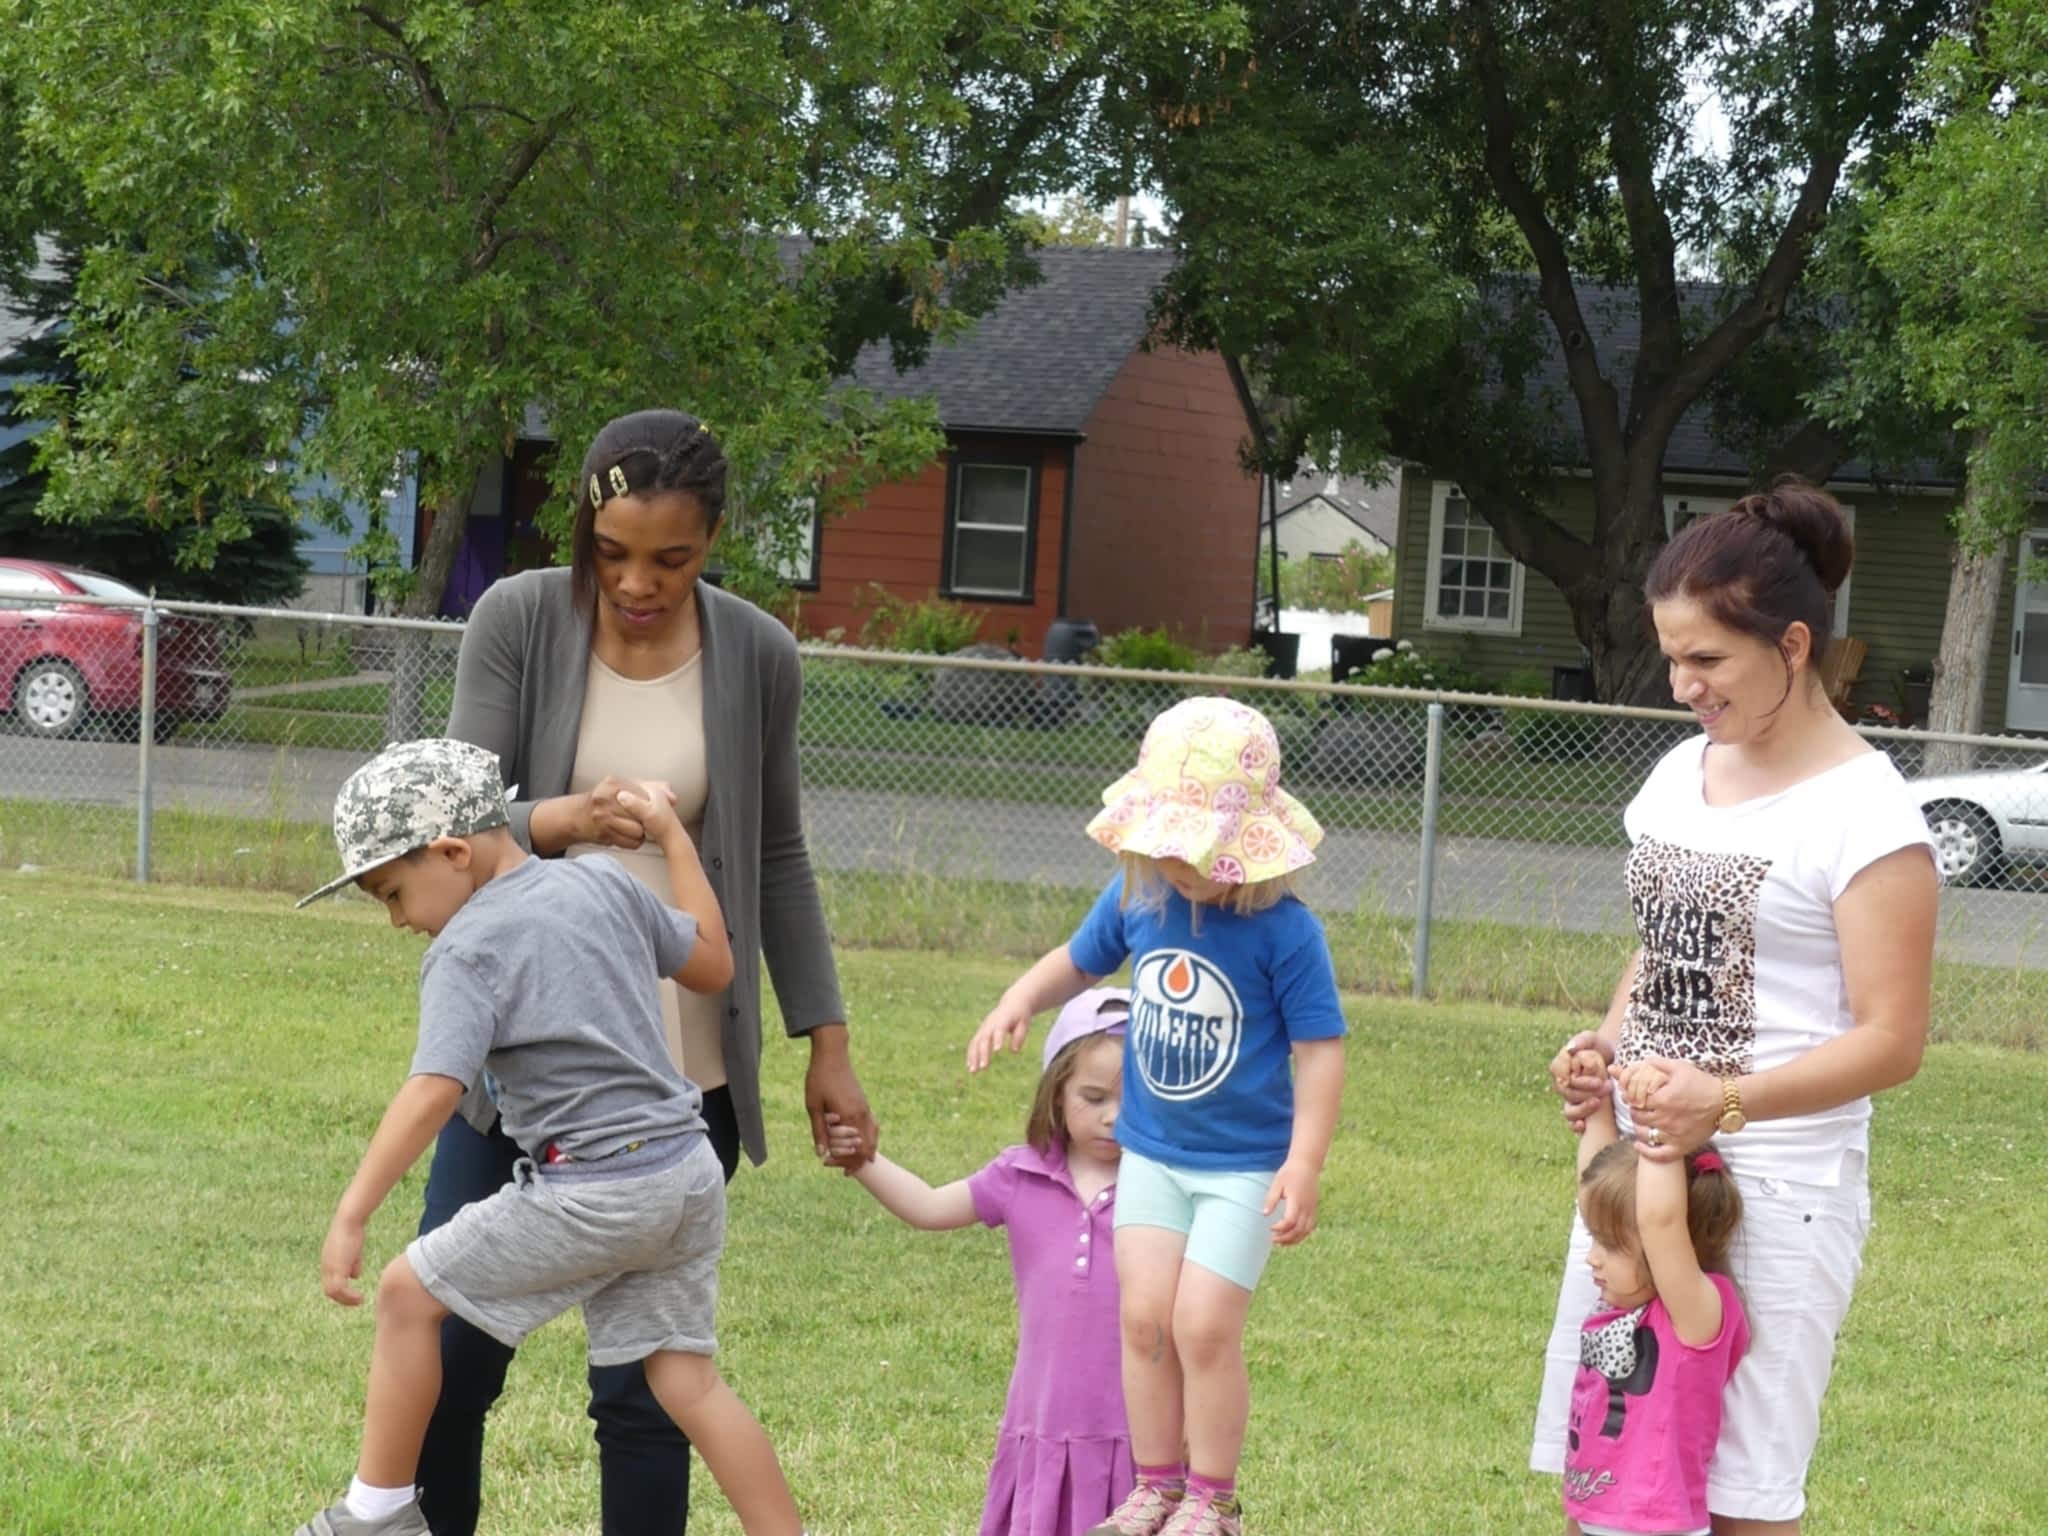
<point>1501,880</point>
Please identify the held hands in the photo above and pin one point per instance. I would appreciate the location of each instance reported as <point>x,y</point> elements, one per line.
<point>836,1104</point>
<point>1676,1107</point>
<point>1579,1074</point>
<point>649,806</point>
<point>341,1261</point>
<point>1007,1025</point>
<point>605,817</point>
<point>1301,1187</point>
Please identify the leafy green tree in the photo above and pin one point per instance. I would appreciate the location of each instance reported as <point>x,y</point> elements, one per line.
<point>152,553</point>
<point>1394,212</point>
<point>447,213</point>
<point>1959,236</point>
<point>1339,585</point>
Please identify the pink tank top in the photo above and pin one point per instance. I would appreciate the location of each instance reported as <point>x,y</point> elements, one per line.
<point>1646,1413</point>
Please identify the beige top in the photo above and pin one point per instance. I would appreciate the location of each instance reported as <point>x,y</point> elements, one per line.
<point>655,730</point>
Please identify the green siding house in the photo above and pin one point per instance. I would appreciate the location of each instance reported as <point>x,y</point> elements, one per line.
<point>1459,595</point>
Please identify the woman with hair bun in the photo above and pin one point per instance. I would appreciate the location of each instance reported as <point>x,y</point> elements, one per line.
<point>1783,885</point>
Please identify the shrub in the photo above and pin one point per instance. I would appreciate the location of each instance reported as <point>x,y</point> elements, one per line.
<point>1402,666</point>
<point>930,626</point>
<point>1341,585</point>
<point>1146,650</point>
<point>1549,736</point>
<point>1238,661</point>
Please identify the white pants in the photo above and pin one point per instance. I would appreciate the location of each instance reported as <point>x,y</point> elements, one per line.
<point>1795,1260</point>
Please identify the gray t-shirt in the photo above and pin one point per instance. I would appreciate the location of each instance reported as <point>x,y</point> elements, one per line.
<point>546,979</point>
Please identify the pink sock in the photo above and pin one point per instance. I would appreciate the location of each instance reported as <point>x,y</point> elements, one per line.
<point>1217,1490</point>
<point>1170,1474</point>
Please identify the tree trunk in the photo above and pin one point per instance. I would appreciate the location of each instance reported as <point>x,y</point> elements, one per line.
<point>418,655</point>
<point>1958,699</point>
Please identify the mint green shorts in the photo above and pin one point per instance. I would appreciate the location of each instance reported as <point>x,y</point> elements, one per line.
<point>1219,1213</point>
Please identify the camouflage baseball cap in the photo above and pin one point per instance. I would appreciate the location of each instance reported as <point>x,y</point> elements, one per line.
<point>408,795</point>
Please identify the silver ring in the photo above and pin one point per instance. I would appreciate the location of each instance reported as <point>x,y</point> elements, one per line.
<point>1655,1138</point>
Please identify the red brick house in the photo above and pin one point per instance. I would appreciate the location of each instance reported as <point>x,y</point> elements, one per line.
<point>1084,477</point>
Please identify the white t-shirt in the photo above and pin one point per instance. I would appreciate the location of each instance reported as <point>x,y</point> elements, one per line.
<point>1742,968</point>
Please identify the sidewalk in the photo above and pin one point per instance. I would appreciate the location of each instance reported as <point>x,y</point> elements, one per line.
<point>310,685</point>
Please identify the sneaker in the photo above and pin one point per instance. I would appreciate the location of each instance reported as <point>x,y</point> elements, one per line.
<point>1144,1511</point>
<point>337,1521</point>
<point>1205,1516</point>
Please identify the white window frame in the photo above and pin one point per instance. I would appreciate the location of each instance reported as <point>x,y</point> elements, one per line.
<point>1440,493</point>
<point>1701,506</point>
<point>1025,531</point>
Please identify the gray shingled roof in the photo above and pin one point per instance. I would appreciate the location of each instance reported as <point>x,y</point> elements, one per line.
<point>1039,361</point>
<point>1374,508</point>
<point>1612,318</point>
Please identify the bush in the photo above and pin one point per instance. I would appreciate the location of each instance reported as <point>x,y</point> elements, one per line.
<point>929,626</point>
<point>1550,736</point>
<point>1341,585</point>
<point>1400,665</point>
<point>1146,650</point>
<point>1238,661</point>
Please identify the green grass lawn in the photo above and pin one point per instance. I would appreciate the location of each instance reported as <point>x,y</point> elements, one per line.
<point>187,1077</point>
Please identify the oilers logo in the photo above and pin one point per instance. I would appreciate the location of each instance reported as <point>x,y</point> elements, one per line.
<point>1186,1024</point>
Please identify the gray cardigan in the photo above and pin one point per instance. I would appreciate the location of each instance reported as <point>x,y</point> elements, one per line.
<point>519,692</point>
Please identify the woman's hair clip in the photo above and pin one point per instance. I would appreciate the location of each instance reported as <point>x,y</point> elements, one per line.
<point>596,493</point>
<point>618,479</point>
<point>1709,1162</point>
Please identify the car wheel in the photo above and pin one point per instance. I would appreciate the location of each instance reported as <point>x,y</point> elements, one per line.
<point>50,697</point>
<point>1965,843</point>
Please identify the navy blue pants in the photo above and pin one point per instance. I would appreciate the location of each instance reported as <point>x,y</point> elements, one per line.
<point>642,1458</point>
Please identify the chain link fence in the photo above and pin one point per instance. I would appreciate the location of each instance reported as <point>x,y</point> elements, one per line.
<point>1478,854</point>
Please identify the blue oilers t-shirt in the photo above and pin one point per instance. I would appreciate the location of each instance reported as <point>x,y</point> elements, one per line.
<point>1215,1010</point>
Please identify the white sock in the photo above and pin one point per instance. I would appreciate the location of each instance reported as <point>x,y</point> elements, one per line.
<point>367,1503</point>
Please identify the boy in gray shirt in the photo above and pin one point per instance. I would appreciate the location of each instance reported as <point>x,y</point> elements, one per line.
<point>539,987</point>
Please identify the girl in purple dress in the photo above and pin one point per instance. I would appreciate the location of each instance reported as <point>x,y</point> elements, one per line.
<point>1063,1455</point>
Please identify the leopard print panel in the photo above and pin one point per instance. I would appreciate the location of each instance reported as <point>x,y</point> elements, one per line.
<point>1610,1349</point>
<point>1694,997</point>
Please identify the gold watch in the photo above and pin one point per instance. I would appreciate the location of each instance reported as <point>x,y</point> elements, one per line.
<point>1732,1118</point>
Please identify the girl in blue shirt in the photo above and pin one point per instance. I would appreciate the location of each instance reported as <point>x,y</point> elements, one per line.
<point>1233,1071</point>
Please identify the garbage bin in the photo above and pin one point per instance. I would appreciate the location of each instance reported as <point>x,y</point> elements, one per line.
<point>1916,692</point>
<point>1283,651</point>
<point>1572,684</point>
<point>1066,640</point>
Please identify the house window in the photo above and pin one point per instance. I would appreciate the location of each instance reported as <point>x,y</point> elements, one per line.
<point>1474,583</point>
<point>989,528</point>
<point>1680,510</point>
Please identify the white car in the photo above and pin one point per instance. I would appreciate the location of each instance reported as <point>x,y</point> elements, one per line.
<point>1980,821</point>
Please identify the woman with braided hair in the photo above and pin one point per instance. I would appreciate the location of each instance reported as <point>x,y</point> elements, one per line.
<point>628,669</point>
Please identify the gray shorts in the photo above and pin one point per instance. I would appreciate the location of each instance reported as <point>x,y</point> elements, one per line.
<point>634,1240</point>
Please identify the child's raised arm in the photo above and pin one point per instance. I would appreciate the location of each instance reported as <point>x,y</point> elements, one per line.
<point>709,968</point>
<point>902,1193</point>
<point>1693,1300</point>
<point>1052,980</point>
<point>1597,1129</point>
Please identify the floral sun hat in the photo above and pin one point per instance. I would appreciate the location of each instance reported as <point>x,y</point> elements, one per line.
<point>1207,790</point>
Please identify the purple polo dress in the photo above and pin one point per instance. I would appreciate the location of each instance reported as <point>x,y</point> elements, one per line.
<point>1063,1455</point>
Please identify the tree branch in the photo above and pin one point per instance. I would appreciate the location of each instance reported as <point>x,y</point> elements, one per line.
<point>516,170</point>
<point>430,93</point>
<point>490,251</point>
<point>1599,410</point>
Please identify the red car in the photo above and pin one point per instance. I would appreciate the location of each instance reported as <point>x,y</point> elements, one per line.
<point>65,664</point>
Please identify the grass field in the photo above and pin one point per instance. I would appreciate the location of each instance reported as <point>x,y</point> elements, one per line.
<point>187,1076</point>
